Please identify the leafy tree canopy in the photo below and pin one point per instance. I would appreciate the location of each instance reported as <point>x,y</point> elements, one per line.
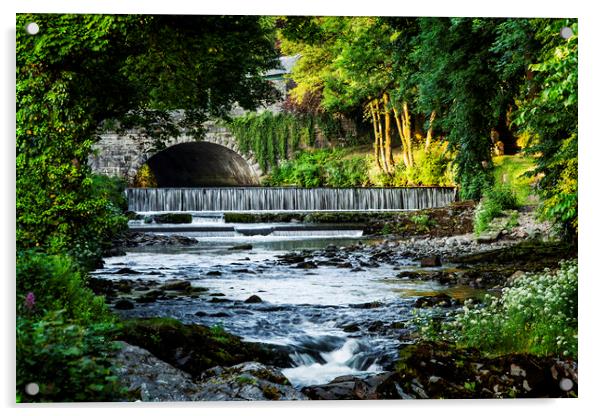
<point>82,70</point>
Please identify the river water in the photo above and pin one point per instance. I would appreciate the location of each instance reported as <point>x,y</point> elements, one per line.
<point>335,321</point>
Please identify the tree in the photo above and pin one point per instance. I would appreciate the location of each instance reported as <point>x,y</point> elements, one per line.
<point>349,63</point>
<point>548,112</point>
<point>83,72</point>
<point>457,79</point>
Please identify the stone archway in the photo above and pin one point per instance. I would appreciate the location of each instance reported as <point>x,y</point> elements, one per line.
<point>124,155</point>
<point>200,164</point>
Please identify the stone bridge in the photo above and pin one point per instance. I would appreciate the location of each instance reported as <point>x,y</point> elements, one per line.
<point>184,162</point>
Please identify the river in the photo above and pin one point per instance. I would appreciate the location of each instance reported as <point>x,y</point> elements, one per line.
<point>335,320</point>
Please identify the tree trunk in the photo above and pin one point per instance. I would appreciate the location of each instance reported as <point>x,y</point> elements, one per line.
<point>388,148</point>
<point>429,134</point>
<point>404,153</point>
<point>380,137</point>
<point>407,132</point>
<point>373,110</point>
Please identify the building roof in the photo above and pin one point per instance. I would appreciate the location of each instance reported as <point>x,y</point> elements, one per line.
<point>286,66</point>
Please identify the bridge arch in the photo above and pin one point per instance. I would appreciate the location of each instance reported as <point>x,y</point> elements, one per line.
<point>183,161</point>
<point>200,164</point>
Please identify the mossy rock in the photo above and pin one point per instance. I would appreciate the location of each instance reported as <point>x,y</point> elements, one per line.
<point>195,348</point>
<point>525,252</point>
<point>173,218</point>
<point>443,370</point>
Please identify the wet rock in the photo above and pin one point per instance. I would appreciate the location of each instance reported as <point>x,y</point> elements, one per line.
<point>254,299</point>
<point>351,328</point>
<point>344,265</point>
<point>200,313</point>
<point>173,218</point>
<point>123,304</point>
<point>127,270</point>
<point>242,247</point>
<point>291,258</point>
<point>144,239</point>
<point>219,300</point>
<point>243,271</point>
<point>306,265</point>
<point>149,379</point>
<point>433,261</point>
<point>150,296</point>
<point>246,381</point>
<point>368,305</point>
<point>348,388</point>
<point>441,299</point>
<point>219,315</point>
<point>217,294</point>
<point>376,326</point>
<point>176,284</point>
<point>196,348</point>
<point>214,273</point>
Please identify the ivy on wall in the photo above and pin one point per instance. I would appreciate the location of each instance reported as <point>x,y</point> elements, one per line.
<point>275,137</point>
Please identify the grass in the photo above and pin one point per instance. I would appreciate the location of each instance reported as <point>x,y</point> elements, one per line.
<point>510,170</point>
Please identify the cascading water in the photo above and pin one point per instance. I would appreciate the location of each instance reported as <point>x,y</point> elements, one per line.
<point>276,199</point>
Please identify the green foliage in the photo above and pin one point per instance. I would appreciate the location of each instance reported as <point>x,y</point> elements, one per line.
<point>145,178</point>
<point>432,167</point>
<point>550,115</point>
<point>514,172</point>
<point>457,78</point>
<point>82,73</point>
<point>321,168</point>
<point>492,205</point>
<point>68,360</point>
<point>64,332</point>
<point>56,284</point>
<point>537,314</point>
<point>272,138</point>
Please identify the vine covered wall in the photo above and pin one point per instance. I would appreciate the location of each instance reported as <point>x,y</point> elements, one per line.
<point>275,137</point>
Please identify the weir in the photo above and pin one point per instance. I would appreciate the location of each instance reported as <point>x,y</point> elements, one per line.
<point>284,199</point>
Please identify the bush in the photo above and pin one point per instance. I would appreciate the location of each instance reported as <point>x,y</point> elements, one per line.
<point>327,167</point>
<point>53,282</point>
<point>537,314</point>
<point>492,205</point>
<point>63,332</point>
<point>68,361</point>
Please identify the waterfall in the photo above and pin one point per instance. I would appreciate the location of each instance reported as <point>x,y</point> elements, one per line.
<point>282,199</point>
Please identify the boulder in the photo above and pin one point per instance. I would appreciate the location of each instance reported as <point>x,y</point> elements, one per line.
<point>254,299</point>
<point>432,261</point>
<point>196,348</point>
<point>149,379</point>
<point>306,265</point>
<point>126,270</point>
<point>242,247</point>
<point>123,304</point>
<point>438,300</point>
<point>246,381</point>
<point>176,284</point>
<point>351,328</point>
<point>150,296</point>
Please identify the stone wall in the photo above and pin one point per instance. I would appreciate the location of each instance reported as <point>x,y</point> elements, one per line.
<point>123,155</point>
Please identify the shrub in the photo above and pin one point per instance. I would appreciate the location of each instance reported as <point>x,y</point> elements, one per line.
<point>537,314</point>
<point>432,167</point>
<point>55,283</point>
<point>326,167</point>
<point>68,361</point>
<point>492,205</point>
